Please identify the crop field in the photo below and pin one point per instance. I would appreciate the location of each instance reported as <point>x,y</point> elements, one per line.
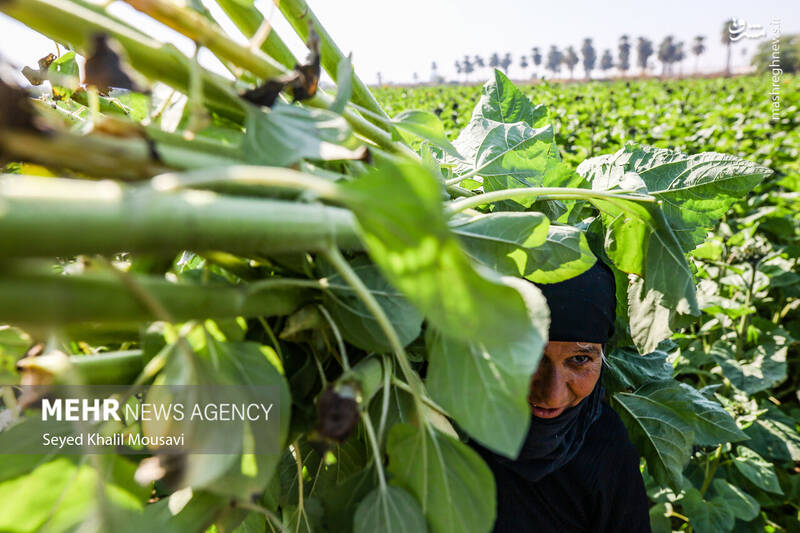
<point>352,265</point>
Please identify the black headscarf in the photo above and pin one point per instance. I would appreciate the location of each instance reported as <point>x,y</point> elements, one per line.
<point>582,309</point>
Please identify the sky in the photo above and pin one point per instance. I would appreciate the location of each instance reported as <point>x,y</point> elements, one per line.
<point>401,38</point>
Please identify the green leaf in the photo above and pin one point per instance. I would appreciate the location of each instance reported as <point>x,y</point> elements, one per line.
<point>509,143</point>
<point>525,245</point>
<point>628,369</point>
<point>707,516</point>
<point>564,254</point>
<point>659,521</point>
<point>344,80</point>
<point>196,514</point>
<point>285,134</point>
<point>341,500</point>
<point>742,505</point>
<point>696,190</point>
<point>711,423</point>
<point>450,480</point>
<point>756,469</point>
<point>765,367</point>
<point>639,241</point>
<point>501,240</point>
<point>660,434</point>
<point>392,510</point>
<point>502,101</point>
<point>425,125</point>
<point>773,435</point>
<point>355,321</point>
<point>486,392</point>
<point>402,222</point>
<point>64,492</point>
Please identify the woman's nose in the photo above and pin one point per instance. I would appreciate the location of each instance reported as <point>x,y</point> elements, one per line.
<point>549,386</point>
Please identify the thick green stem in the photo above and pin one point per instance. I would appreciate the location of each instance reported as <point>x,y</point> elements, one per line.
<point>104,155</point>
<point>277,178</point>
<point>72,23</point>
<point>561,193</point>
<point>711,469</point>
<point>45,299</point>
<point>51,216</point>
<point>108,368</point>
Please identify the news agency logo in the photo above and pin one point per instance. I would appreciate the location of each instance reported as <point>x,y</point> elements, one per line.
<point>164,419</point>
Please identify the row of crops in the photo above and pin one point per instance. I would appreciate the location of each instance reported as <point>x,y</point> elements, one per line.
<point>742,352</point>
<point>366,255</point>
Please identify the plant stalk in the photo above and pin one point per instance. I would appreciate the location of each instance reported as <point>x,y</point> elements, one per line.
<point>47,299</point>
<point>61,217</point>
<point>561,193</point>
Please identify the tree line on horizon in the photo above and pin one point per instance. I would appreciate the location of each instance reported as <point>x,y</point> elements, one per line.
<point>670,52</point>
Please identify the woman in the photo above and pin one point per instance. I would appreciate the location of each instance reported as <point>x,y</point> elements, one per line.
<point>577,470</point>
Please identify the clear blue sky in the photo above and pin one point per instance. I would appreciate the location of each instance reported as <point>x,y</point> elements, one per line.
<point>398,38</point>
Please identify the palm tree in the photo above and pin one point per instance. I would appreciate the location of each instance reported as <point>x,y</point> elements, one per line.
<point>644,49</point>
<point>666,54</point>
<point>506,62</point>
<point>697,49</point>
<point>624,54</point>
<point>494,60</point>
<point>570,59</point>
<point>537,57</point>
<point>554,60</point>
<point>467,67</point>
<point>725,37</point>
<point>607,61</point>
<point>589,57</point>
<point>479,61</point>
<point>523,63</point>
<point>679,56</point>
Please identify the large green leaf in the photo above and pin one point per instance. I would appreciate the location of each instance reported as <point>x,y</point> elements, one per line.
<point>760,472</point>
<point>773,435</point>
<point>563,255</point>
<point>640,241</point>
<point>712,424</point>
<point>525,245</point>
<point>509,143</point>
<point>500,240</point>
<point>426,125</point>
<point>742,505</point>
<point>392,510</point>
<point>628,370</point>
<point>403,225</point>
<point>696,190</point>
<point>285,134</point>
<point>454,486</point>
<point>707,516</point>
<point>662,437</point>
<point>485,391</point>
<point>356,322</point>
<point>764,367</point>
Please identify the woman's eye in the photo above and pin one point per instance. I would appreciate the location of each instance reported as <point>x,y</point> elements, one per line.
<point>580,359</point>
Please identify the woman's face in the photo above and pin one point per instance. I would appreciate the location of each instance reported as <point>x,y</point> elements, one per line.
<point>567,373</point>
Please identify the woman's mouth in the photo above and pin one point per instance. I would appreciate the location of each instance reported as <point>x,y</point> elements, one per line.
<point>544,412</point>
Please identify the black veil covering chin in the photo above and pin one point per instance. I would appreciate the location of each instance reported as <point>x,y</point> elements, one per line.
<point>552,442</point>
